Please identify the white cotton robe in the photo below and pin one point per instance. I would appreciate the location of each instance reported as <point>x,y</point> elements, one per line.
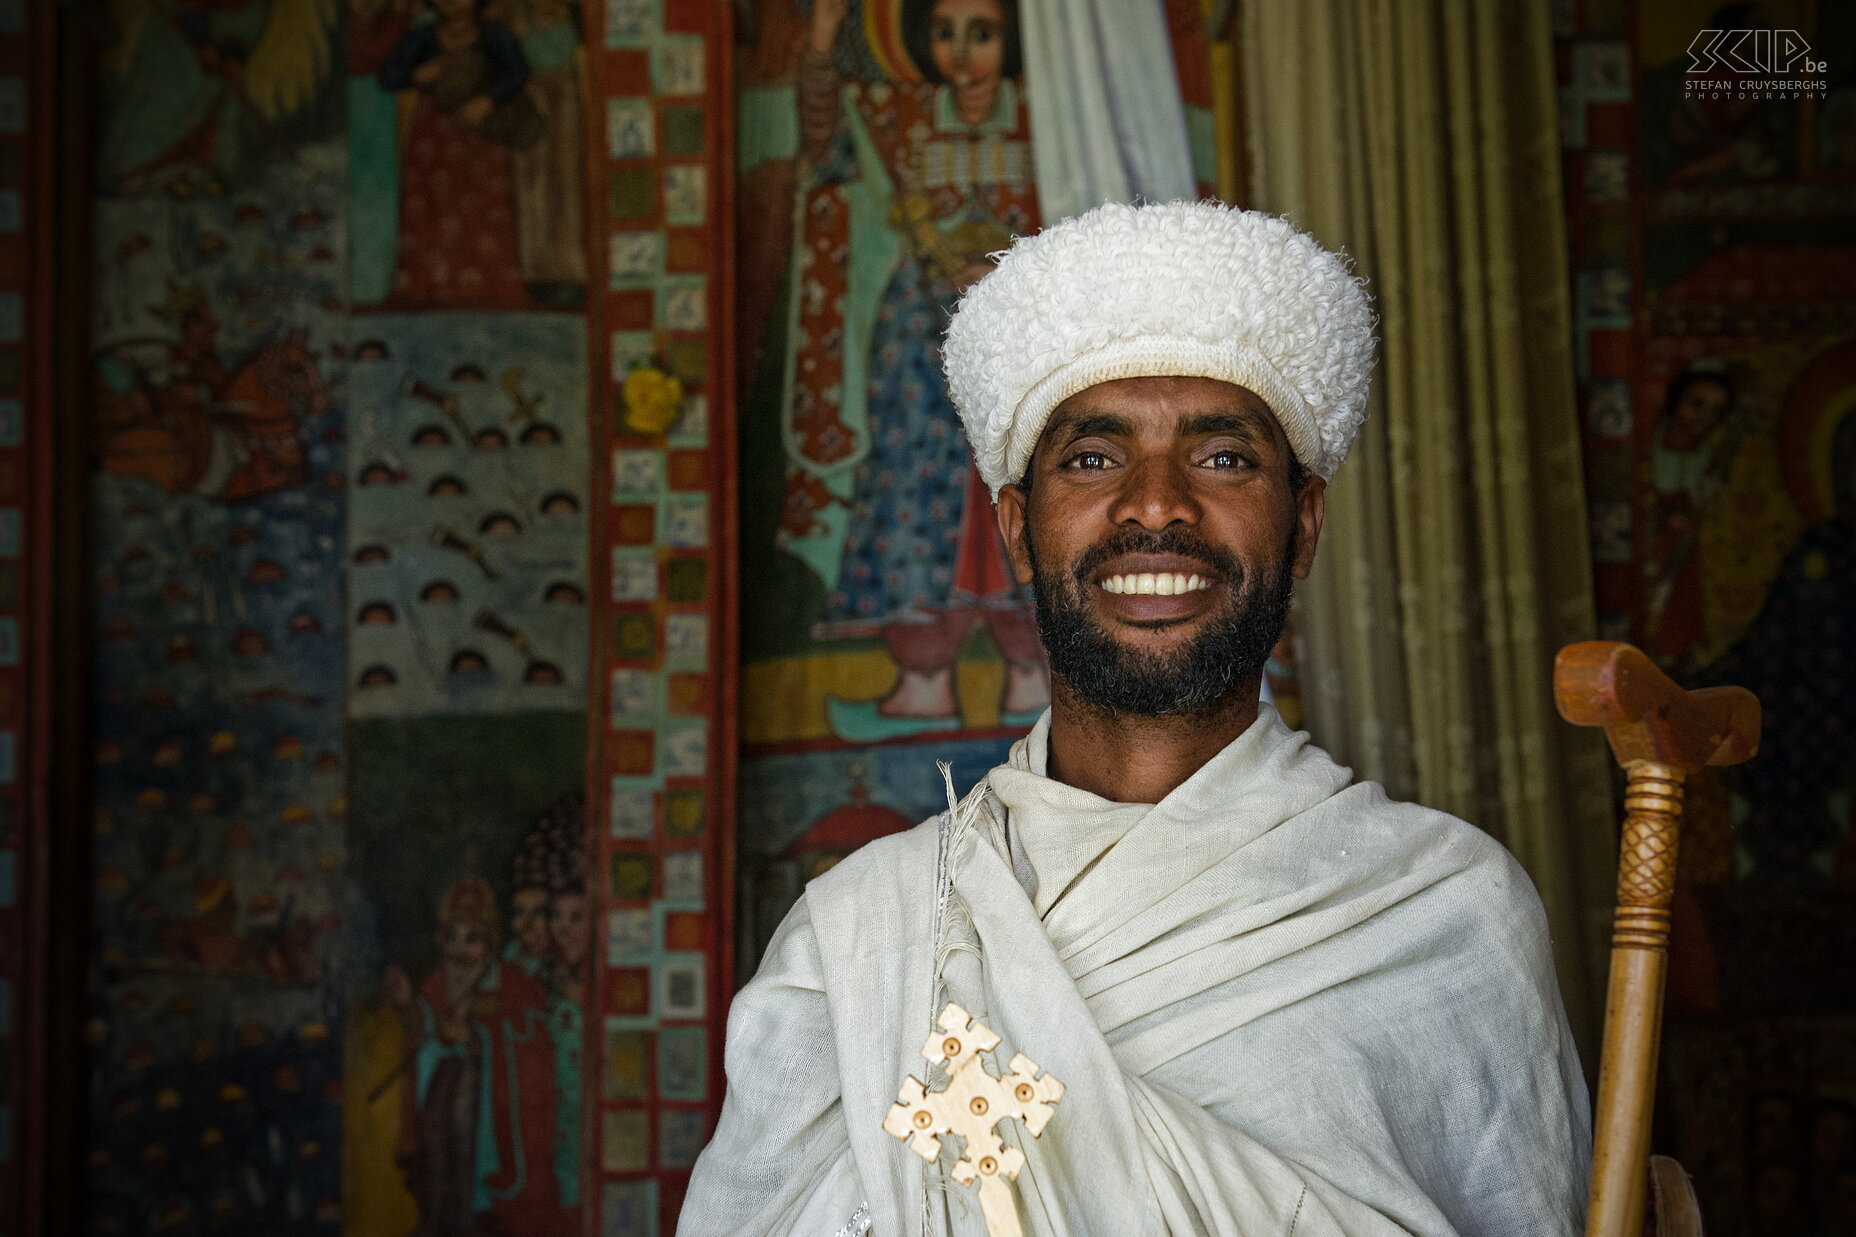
<point>1280,1003</point>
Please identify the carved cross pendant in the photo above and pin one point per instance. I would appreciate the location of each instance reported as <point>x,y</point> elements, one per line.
<point>973,1103</point>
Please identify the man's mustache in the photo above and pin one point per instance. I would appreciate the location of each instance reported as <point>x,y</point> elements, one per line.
<point>1174,539</point>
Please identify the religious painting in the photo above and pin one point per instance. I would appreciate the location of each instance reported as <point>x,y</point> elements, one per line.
<point>198,97</point>
<point>1741,415</point>
<point>1745,525</point>
<point>467,513</point>
<point>327,993</point>
<point>915,158</point>
<point>469,962</point>
<point>1719,428</point>
<point>1699,429</point>
<point>469,955</point>
<point>467,617</point>
<point>466,128</point>
<point>886,151</point>
<point>218,789</point>
<point>803,811</point>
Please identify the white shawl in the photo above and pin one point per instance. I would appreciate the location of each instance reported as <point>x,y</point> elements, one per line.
<point>1281,1004</point>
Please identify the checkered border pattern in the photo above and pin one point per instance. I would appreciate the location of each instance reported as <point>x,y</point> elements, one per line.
<point>663,716</point>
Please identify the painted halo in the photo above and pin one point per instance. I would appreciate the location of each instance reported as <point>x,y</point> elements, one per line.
<point>1815,430</point>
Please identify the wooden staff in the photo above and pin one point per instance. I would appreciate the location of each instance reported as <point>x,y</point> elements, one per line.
<point>1659,734</point>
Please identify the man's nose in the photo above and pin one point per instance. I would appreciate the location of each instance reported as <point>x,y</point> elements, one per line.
<point>1156,492</point>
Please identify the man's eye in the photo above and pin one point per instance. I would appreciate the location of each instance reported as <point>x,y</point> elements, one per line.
<point>1089,459</point>
<point>1225,459</point>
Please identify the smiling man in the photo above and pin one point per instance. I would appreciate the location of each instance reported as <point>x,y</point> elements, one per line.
<point>1171,517</point>
<point>1280,1002</point>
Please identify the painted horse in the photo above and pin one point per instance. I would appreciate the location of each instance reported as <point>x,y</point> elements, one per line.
<point>230,438</point>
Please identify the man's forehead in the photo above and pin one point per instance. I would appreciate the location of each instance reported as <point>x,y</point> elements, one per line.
<point>1183,404</point>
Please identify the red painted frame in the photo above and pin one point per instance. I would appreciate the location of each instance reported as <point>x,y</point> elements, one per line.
<point>712,19</point>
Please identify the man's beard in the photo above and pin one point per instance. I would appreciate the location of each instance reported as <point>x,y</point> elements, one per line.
<point>1200,676</point>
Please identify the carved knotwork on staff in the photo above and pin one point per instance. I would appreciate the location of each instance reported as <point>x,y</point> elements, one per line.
<point>972,1105</point>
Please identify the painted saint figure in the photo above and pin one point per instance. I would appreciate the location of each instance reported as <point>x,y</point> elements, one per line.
<point>551,905</point>
<point>550,176</point>
<point>528,945</point>
<point>1799,653</point>
<point>570,932</point>
<point>460,81</point>
<point>908,182</point>
<point>1688,465</point>
<point>478,1120</point>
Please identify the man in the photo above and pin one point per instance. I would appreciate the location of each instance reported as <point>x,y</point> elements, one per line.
<point>1280,1002</point>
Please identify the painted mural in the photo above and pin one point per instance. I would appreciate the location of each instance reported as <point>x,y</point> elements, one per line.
<point>470,940</point>
<point>910,181</point>
<point>886,150</point>
<point>469,931</point>
<point>808,810</point>
<point>340,562</point>
<point>467,132</point>
<point>220,762</point>
<point>1715,237</point>
<point>870,194</point>
<point>467,526</point>
<point>466,620</point>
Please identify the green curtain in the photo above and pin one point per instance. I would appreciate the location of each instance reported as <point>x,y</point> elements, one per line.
<point>1420,136</point>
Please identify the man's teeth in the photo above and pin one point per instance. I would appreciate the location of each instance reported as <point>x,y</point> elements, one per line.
<point>1156,584</point>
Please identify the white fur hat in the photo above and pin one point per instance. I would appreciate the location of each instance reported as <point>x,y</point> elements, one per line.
<point>1187,289</point>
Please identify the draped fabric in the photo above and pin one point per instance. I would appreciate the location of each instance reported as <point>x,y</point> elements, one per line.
<point>1279,1002</point>
<point>1421,138</point>
<point>1105,105</point>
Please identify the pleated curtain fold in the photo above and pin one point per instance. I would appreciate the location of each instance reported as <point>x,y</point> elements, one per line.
<point>1421,137</point>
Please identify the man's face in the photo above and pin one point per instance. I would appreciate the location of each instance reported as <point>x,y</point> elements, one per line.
<point>1161,534</point>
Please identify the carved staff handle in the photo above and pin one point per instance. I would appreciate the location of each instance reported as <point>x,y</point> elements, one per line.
<point>1659,734</point>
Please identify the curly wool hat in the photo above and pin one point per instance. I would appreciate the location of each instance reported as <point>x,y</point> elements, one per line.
<point>1180,289</point>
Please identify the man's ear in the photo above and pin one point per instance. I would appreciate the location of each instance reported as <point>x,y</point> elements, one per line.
<point>1010,512</point>
<point>1310,510</point>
